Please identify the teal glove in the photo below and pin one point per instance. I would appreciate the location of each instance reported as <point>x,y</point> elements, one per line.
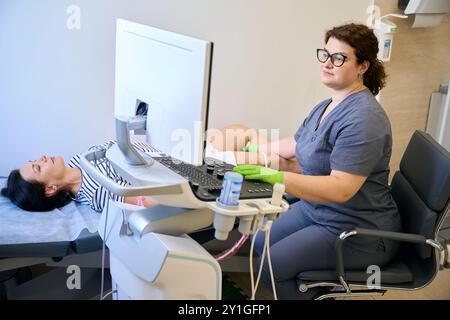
<point>254,172</point>
<point>251,148</point>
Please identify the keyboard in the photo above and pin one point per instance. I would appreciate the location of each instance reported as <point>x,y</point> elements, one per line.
<point>206,180</point>
<point>194,174</point>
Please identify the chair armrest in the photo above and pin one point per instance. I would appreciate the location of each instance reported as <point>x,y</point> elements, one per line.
<point>389,235</point>
<point>396,236</point>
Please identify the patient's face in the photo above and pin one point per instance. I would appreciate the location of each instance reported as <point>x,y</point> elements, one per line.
<point>46,170</point>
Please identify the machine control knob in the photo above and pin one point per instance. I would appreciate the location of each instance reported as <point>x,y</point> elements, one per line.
<point>195,185</point>
<point>214,191</point>
<point>220,175</point>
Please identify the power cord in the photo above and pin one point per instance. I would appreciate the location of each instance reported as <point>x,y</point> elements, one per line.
<point>267,243</point>
<point>104,249</point>
<point>98,162</point>
<point>233,250</point>
<point>266,163</point>
<point>266,228</point>
<point>112,291</point>
<point>252,281</point>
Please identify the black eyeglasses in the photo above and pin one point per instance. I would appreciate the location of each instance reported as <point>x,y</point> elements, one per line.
<point>337,59</point>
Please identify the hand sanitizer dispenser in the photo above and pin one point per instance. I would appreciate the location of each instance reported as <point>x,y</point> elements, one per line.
<point>384,30</point>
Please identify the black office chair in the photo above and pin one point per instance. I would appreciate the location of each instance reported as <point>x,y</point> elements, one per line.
<point>421,189</point>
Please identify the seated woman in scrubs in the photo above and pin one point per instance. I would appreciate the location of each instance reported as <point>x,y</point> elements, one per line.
<point>343,149</point>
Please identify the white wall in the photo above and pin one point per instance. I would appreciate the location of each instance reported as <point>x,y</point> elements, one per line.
<point>57,85</point>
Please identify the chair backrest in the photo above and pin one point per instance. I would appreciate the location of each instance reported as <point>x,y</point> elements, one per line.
<point>421,188</point>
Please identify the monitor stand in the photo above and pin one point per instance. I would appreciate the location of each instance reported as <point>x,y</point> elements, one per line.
<point>123,127</point>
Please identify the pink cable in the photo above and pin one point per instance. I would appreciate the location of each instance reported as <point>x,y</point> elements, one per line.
<point>233,250</point>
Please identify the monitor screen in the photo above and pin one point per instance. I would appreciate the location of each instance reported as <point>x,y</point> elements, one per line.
<point>166,76</point>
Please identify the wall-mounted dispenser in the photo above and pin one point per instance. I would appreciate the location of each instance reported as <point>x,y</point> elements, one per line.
<point>427,13</point>
<point>384,30</point>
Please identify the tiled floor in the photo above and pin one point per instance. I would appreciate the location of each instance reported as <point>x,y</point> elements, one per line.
<point>439,289</point>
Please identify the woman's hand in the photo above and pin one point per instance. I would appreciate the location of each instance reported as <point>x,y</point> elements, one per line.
<point>253,172</point>
<point>251,147</point>
<point>141,201</point>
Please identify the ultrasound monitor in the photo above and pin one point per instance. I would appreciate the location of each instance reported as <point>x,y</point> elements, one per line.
<point>165,76</point>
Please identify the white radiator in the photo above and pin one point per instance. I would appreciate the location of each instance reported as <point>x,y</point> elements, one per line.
<point>438,123</point>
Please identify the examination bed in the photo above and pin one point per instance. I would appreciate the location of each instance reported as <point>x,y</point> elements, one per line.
<point>58,233</point>
<point>59,238</point>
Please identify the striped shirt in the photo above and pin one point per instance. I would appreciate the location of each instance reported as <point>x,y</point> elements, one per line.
<point>91,192</point>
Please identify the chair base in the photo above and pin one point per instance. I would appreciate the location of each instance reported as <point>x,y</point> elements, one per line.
<point>447,255</point>
<point>336,290</point>
<point>356,293</point>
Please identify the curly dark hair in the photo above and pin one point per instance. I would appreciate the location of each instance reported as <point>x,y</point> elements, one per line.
<point>30,196</point>
<point>363,40</point>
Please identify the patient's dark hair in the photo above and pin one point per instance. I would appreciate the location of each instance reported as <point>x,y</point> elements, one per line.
<point>363,40</point>
<point>30,196</point>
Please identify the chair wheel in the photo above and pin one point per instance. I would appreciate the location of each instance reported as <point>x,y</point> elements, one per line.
<point>303,288</point>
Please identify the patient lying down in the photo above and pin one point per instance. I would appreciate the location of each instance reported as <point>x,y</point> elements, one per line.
<point>48,183</point>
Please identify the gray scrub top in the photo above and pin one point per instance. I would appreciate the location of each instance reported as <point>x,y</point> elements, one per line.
<point>355,137</point>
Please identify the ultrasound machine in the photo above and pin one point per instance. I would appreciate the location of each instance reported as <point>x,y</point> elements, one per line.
<point>162,91</point>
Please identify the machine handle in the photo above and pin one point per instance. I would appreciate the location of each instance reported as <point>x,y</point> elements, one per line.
<point>114,187</point>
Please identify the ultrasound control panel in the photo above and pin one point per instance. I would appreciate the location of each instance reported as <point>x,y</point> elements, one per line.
<point>206,180</point>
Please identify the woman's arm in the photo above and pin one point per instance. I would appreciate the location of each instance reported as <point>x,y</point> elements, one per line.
<point>280,155</point>
<point>285,148</point>
<point>338,187</point>
<point>289,165</point>
<point>274,161</point>
<point>235,137</point>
